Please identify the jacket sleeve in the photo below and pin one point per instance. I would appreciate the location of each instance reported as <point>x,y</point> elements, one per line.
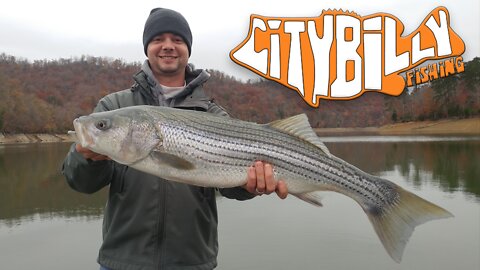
<point>238,193</point>
<point>84,175</point>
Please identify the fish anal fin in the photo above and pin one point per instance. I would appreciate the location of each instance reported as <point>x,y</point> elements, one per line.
<point>299,126</point>
<point>314,198</point>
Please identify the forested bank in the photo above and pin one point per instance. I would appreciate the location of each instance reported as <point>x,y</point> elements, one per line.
<point>45,96</point>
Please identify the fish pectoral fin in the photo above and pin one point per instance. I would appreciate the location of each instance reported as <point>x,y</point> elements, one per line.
<point>314,198</point>
<point>172,160</point>
<point>299,126</point>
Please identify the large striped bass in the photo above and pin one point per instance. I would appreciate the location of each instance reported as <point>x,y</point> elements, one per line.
<point>213,151</point>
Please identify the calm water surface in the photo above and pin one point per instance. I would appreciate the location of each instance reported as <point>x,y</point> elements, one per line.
<point>46,225</point>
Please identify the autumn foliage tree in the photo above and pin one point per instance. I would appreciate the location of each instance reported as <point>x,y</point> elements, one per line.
<point>45,96</point>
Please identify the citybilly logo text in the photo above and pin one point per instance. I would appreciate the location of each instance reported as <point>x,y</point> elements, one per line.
<point>341,55</point>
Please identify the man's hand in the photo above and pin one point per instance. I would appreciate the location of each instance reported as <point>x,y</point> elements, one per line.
<point>260,180</point>
<point>89,154</point>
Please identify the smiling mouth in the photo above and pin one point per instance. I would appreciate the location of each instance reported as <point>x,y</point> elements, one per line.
<point>168,57</point>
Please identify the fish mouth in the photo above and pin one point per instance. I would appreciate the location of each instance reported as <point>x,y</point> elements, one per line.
<point>82,136</point>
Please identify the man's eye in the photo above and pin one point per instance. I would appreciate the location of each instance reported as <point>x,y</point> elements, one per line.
<point>157,39</point>
<point>178,40</point>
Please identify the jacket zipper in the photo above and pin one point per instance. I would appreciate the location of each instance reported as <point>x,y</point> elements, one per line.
<point>162,216</point>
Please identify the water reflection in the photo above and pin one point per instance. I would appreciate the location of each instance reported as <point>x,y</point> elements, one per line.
<point>31,183</point>
<point>44,224</point>
<point>452,165</point>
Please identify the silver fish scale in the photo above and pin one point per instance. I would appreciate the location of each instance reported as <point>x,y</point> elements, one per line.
<point>220,144</point>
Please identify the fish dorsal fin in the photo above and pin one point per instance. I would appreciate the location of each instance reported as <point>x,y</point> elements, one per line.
<point>299,126</point>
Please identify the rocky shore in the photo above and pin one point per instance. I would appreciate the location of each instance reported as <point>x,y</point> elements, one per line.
<point>34,138</point>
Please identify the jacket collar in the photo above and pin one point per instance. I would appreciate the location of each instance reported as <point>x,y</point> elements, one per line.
<point>193,77</point>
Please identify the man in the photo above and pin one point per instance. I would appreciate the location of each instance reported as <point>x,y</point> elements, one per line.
<point>151,223</point>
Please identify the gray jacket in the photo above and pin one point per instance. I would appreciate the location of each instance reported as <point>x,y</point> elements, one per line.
<point>151,223</point>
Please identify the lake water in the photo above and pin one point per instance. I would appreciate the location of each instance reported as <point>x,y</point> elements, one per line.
<point>46,225</point>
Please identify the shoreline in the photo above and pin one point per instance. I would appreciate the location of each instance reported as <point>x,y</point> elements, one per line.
<point>468,127</point>
<point>34,138</point>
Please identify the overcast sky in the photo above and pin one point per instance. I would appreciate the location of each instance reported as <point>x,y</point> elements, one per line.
<point>52,29</point>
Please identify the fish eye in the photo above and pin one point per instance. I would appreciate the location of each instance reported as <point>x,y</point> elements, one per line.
<point>103,124</point>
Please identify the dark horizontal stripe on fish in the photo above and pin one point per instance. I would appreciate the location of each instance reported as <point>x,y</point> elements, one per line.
<point>259,135</point>
<point>200,140</point>
<point>223,127</point>
<point>332,172</point>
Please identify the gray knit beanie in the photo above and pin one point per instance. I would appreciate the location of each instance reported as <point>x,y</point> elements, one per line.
<point>162,20</point>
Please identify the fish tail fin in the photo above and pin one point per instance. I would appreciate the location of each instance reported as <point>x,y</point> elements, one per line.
<point>395,223</point>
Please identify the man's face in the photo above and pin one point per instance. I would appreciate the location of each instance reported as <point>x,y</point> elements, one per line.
<point>168,55</point>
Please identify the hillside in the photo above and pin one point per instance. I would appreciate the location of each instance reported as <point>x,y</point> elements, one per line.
<point>45,96</point>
